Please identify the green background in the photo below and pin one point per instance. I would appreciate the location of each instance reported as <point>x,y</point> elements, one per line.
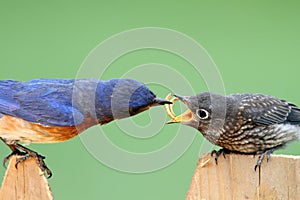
<point>255,45</point>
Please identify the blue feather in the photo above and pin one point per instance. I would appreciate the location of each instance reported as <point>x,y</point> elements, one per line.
<point>59,102</point>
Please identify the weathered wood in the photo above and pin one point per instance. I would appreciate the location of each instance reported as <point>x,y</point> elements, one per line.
<point>27,182</point>
<point>234,178</point>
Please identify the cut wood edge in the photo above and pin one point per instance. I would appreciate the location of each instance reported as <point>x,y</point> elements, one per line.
<point>234,178</point>
<point>25,182</point>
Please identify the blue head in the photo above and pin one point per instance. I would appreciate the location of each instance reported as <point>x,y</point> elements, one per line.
<point>120,98</point>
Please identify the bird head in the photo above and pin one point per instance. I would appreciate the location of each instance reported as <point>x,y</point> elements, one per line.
<point>121,98</point>
<point>202,108</point>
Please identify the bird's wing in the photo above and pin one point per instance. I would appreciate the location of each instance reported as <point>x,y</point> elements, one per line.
<point>294,115</point>
<point>39,102</point>
<point>8,105</point>
<point>268,110</point>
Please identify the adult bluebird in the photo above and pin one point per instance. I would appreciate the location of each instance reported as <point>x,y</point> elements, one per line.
<point>55,110</point>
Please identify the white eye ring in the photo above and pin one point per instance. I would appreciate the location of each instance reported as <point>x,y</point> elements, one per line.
<point>202,114</point>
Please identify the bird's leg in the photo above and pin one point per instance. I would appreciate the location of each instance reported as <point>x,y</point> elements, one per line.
<point>14,150</point>
<point>267,152</point>
<point>39,159</point>
<point>218,153</point>
<point>25,153</point>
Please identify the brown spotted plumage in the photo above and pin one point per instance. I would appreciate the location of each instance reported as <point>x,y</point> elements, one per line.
<point>243,123</point>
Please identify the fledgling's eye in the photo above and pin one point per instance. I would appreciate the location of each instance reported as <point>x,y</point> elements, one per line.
<point>202,113</point>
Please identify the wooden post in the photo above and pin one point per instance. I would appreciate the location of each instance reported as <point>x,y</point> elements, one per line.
<point>234,178</point>
<point>27,182</point>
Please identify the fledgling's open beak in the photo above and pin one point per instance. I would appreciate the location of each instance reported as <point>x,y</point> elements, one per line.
<point>160,101</point>
<point>185,117</point>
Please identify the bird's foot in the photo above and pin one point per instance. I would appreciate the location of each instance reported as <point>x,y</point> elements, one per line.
<point>39,159</point>
<point>218,153</point>
<point>24,154</point>
<point>267,153</point>
<point>13,153</point>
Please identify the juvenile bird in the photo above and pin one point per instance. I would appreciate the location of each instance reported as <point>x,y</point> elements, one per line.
<point>55,110</point>
<point>242,123</point>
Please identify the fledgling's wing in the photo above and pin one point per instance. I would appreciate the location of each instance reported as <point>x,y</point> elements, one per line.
<point>294,115</point>
<point>268,110</point>
<point>45,101</point>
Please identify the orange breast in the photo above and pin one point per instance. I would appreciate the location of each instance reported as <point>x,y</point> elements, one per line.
<point>17,129</point>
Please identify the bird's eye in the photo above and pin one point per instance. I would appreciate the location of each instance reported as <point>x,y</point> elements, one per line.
<point>202,114</point>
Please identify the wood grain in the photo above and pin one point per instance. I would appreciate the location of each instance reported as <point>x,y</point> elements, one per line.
<point>26,182</point>
<point>234,178</point>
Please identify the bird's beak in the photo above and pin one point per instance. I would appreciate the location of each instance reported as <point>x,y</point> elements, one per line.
<point>181,98</point>
<point>186,117</point>
<point>160,101</point>
<point>183,118</point>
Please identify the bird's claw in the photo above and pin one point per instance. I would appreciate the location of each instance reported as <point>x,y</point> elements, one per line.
<point>24,154</point>
<point>217,153</point>
<point>261,157</point>
<point>7,158</point>
<point>39,159</point>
